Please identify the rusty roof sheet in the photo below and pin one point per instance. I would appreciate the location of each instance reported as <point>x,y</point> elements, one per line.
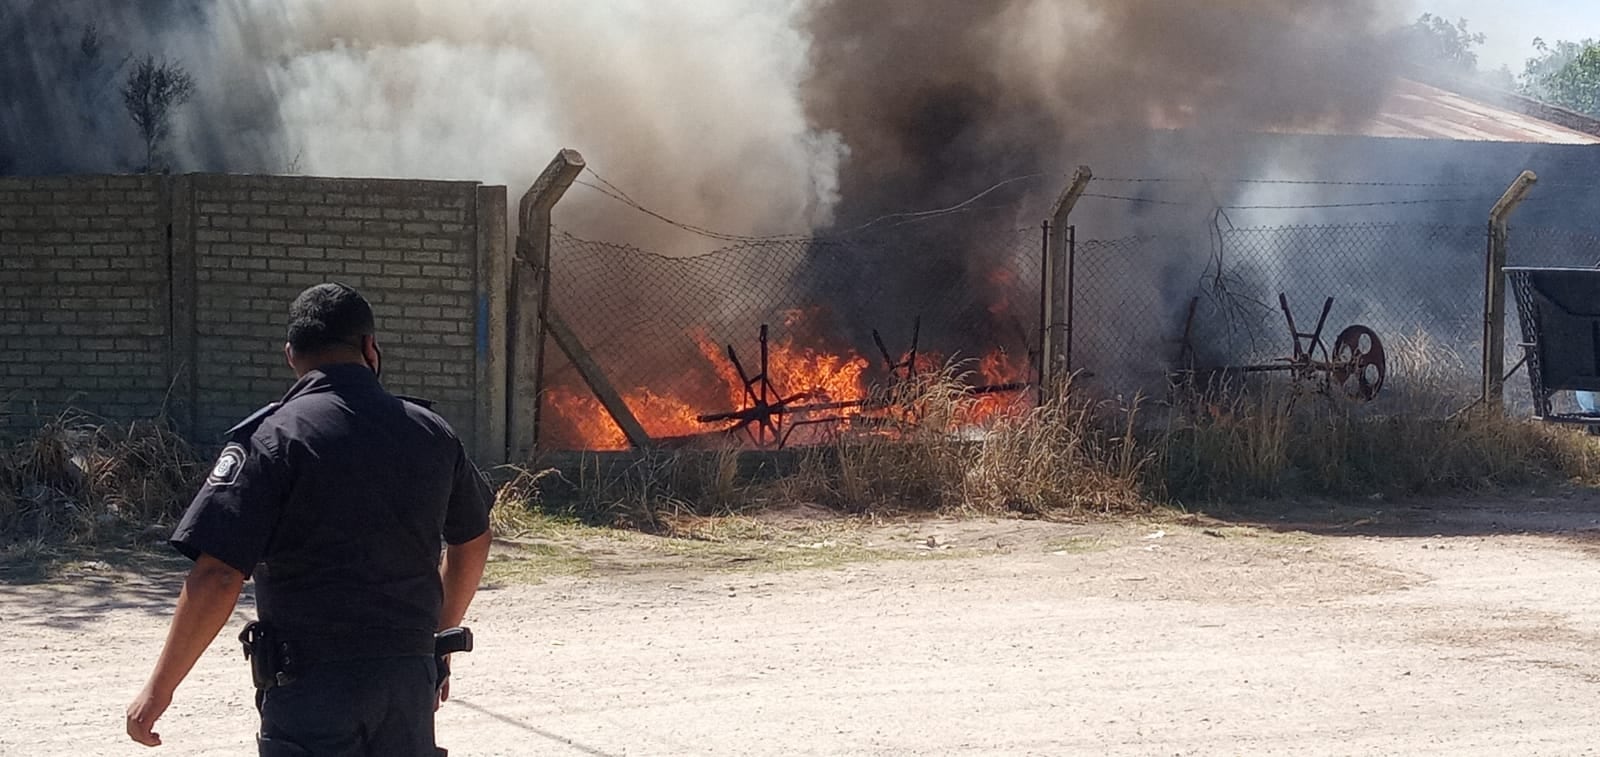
<point>1416,110</point>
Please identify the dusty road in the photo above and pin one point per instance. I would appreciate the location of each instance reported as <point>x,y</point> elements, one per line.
<point>1047,639</point>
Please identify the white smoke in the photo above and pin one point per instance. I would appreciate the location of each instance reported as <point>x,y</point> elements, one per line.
<point>694,108</point>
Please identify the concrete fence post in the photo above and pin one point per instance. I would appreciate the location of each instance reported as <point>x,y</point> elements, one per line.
<point>1494,291</point>
<point>493,344</point>
<point>1058,278</point>
<point>530,295</point>
<point>183,388</point>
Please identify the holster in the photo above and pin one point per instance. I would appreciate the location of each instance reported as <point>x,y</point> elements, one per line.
<point>446,643</point>
<point>265,652</point>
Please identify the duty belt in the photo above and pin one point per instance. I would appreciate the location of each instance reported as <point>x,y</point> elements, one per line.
<point>275,659</point>
<point>300,652</point>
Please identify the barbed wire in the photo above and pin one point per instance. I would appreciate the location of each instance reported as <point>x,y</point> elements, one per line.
<point>1140,200</point>
<point>1337,205</point>
<point>612,191</point>
<point>1307,206</point>
<point>1291,182</point>
<point>928,214</point>
<point>1488,189</point>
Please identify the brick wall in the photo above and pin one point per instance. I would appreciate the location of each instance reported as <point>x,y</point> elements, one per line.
<point>84,306</point>
<point>127,296</point>
<point>410,247</point>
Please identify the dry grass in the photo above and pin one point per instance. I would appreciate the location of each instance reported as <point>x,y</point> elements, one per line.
<point>924,454</point>
<point>1074,455</point>
<point>1257,448</point>
<point>1263,442</point>
<point>1068,456</point>
<point>646,493</point>
<point>79,482</point>
<point>76,482</point>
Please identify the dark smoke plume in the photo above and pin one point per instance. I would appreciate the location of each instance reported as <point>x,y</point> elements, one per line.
<point>937,99</point>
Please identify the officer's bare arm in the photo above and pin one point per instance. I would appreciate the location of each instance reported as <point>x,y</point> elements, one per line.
<point>461,571</point>
<point>207,600</point>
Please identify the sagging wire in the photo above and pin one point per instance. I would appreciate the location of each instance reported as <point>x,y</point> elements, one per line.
<point>1139,200</point>
<point>1307,206</point>
<point>1325,183</point>
<point>612,191</point>
<point>616,193</point>
<point>1374,204</point>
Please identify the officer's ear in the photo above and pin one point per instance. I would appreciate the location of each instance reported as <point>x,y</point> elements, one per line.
<point>295,364</point>
<point>371,354</point>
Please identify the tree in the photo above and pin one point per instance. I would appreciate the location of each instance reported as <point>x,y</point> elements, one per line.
<point>1566,74</point>
<point>1434,42</point>
<point>153,90</point>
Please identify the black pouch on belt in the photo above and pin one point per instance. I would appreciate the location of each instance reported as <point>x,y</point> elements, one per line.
<point>265,653</point>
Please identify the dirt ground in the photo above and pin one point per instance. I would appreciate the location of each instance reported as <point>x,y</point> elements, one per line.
<point>1459,628</point>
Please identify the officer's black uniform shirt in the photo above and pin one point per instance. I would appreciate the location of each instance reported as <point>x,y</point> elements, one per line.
<point>336,499</point>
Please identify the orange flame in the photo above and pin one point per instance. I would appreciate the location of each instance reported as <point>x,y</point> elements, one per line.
<point>577,420</point>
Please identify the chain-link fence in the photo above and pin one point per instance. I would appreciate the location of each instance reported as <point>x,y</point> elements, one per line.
<point>841,311</point>
<point>659,327</point>
<point>1151,306</point>
<point>1147,307</point>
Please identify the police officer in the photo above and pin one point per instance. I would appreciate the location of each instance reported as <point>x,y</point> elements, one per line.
<point>338,500</point>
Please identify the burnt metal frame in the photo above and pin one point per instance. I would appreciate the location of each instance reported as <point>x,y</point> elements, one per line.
<point>768,408</point>
<point>909,365</point>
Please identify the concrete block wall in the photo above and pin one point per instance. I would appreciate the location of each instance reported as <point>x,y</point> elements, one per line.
<point>84,306</point>
<point>410,247</point>
<point>125,296</point>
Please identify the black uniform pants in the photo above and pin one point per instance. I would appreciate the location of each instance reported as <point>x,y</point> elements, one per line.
<point>356,708</point>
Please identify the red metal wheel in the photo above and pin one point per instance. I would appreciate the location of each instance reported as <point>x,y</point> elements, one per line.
<point>1359,363</point>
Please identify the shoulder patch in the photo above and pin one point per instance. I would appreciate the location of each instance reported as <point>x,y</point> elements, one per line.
<point>255,419</point>
<point>226,471</point>
<point>418,401</point>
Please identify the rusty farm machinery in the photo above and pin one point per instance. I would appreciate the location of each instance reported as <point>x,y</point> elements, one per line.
<point>1354,366</point>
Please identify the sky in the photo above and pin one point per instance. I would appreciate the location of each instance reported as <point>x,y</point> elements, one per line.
<point>1511,25</point>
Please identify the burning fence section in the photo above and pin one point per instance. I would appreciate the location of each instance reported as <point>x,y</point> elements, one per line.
<point>809,329</point>
<point>842,319</point>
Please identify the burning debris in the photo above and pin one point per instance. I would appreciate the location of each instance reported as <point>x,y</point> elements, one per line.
<point>793,393</point>
<point>770,418</point>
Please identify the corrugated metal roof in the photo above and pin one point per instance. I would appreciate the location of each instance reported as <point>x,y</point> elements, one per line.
<point>1420,111</point>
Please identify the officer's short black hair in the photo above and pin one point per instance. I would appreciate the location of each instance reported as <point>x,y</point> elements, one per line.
<point>329,315</point>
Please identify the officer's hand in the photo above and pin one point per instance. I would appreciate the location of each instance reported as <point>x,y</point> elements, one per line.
<point>146,709</point>
<point>444,693</point>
